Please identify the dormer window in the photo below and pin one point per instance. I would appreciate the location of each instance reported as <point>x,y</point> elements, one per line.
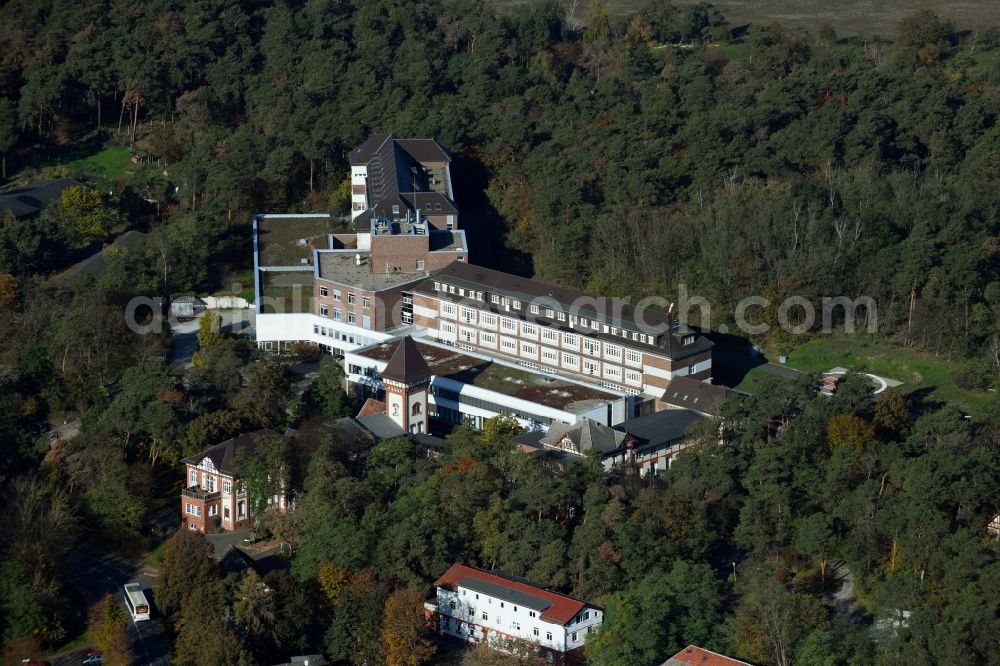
<point>688,339</point>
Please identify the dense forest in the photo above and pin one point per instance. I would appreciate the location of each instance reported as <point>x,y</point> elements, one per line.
<point>625,158</point>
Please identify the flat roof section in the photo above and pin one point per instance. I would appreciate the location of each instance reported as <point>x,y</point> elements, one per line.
<point>445,241</point>
<point>287,241</point>
<point>540,388</point>
<point>342,267</point>
<point>284,292</point>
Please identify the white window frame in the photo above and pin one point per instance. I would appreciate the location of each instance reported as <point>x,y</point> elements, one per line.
<point>633,357</point>
<point>487,339</point>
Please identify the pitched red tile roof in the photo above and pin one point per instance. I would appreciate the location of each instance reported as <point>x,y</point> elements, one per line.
<point>563,608</point>
<point>371,407</point>
<point>697,656</point>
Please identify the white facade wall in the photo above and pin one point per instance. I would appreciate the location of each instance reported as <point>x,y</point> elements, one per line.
<point>359,176</point>
<point>511,620</point>
<point>615,364</point>
<point>302,327</point>
<point>356,367</point>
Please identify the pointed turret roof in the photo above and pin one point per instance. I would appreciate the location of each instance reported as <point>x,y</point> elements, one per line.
<point>407,365</point>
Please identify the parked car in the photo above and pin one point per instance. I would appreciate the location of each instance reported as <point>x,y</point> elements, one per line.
<point>92,658</point>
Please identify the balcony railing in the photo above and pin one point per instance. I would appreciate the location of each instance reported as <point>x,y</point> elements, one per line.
<point>199,493</point>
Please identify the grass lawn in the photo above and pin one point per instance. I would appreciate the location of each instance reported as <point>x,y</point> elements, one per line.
<point>752,378</point>
<point>916,369</point>
<point>81,641</point>
<point>154,558</point>
<point>848,17</point>
<point>109,163</point>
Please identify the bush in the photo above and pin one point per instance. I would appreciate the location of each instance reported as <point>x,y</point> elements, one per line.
<point>974,375</point>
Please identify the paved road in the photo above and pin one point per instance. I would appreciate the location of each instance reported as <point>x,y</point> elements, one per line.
<point>780,370</point>
<point>96,575</point>
<point>185,334</point>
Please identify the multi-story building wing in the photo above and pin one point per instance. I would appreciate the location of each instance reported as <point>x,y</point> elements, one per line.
<point>314,284</point>
<point>397,179</point>
<point>555,330</point>
<point>469,388</point>
<point>213,493</point>
<point>339,283</point>
<point>477,605</point>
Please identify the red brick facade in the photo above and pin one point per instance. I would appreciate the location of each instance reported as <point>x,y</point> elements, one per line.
<point>209,495</point>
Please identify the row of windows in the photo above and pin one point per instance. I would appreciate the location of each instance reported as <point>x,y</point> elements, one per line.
<point>552,313</point>
<point>331,333</point>
<point>458,291</point>
<point>529,350</point>
<point>207,481</point>
<point>366,301</point>
<point>338,315</point>
<point>509,325</point>
<point>486,405</point>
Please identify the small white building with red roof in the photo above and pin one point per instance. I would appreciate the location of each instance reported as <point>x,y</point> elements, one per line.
<point>693,655</point>
<point>475,605</point>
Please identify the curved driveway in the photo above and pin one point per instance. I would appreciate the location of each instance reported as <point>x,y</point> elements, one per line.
<point>96,575</point>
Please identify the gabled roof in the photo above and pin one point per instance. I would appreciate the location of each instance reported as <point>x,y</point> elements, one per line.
<point>658,428</point>
<point>363,153</point>
<point>693,655</point>
<point>381,426</point>
<point>28,200</point>
<point>226,455</point>
<point>585,435</point>
<point>695,395</point>
<point>407,365</point>
<point>424,150</point>
<point>371,406</point>
<point>552,606</point>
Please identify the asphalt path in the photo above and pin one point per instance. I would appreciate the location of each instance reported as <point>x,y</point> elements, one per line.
<point>95,575</point>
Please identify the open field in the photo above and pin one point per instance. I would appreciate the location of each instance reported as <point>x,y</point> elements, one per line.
<point>919,371</point>
<point>848,17</point>
<point>109,163</point>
